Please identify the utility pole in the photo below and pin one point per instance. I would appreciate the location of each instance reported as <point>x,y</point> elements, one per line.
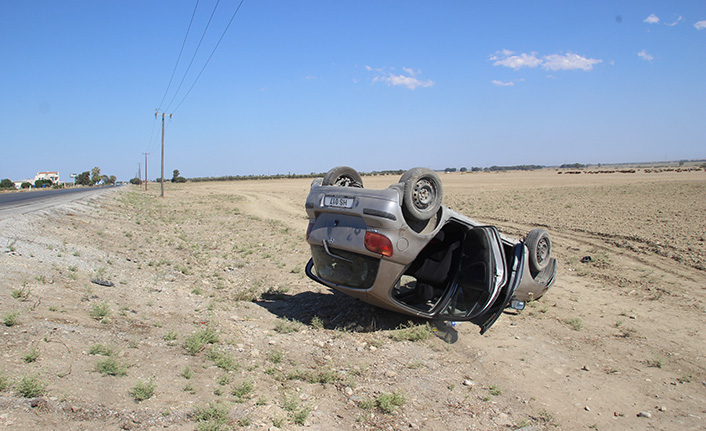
<point>161,181</point>
<point>146,154</point>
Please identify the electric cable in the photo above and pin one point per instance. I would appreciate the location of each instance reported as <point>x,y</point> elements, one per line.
<point>210,56</point>
<point>194,56</point>
<point>188,29</point>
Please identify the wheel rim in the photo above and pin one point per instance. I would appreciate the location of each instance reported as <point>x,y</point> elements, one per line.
<point>542,250</point>
<point>344,181</point>
<point>423,194</point>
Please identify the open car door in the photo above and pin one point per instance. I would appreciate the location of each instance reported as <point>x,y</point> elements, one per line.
<point>479,278</point>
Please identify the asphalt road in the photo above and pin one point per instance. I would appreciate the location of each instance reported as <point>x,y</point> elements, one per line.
<point>26,202</point>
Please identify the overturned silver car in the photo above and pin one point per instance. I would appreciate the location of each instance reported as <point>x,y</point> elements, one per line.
<point>402,250</point>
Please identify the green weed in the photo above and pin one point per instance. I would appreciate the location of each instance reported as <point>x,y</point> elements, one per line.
<point>142,390</point>
<point>286,326</point>
<point>197,341</point>
<point>223,359</point>
<point>211,418</point>
<point>32,355</point>
<point>111,367</point>
<point>30,386</point>
<point>100,349</point>
<point>412,332</point>
<point>100,312</point>
<point>575,323</point>
<point>21,294</point>
<point>11,318</point>
<point>243,391</point>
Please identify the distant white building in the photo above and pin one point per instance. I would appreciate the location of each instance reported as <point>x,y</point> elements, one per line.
<point>51,176</point>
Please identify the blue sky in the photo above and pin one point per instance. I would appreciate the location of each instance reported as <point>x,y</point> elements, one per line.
<point>304,86</point>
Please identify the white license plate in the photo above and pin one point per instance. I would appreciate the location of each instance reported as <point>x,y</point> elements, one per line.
<point>338,202</point>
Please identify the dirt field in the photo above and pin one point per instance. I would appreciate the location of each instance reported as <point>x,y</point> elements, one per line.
<point>194,312</point>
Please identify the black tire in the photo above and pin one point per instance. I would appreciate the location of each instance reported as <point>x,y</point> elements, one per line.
<point>422,193</point>
<point>539,245</point>
<point>343,176</point>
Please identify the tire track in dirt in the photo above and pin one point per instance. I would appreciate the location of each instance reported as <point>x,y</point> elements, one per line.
<point>268,207</point>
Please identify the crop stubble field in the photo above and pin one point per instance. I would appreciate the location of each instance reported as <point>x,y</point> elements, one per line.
<point>210,322</point>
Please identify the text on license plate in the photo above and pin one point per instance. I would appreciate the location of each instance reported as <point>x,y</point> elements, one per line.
<point>338,202</point>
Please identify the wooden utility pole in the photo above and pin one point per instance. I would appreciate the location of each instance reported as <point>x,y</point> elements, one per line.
<point>146,154</point>
<point>161,181</point>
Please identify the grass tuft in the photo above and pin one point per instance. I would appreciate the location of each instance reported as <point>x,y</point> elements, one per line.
<point>32,355</point>
<point>30,386</point>
<point>11,318</point>
<point>100,312</point>
<point>575,323</point>
<point>197,341</point>
<point>243,391</point>
<point>111,367</point>
<point>286,326</point>
<point>412,332</point>
<point>100,349</point>
<point>142,390</point>
<point>388,402</point>
<point>222,359</point>
<point>211,418</point>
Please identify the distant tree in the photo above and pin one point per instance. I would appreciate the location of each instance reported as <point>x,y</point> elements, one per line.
<point>463,169</point>
<point>176,178</point>
<point>43,183</point>
<point>26,185</point>
<point>84,179</point>
<point>447,170</point>
<point>7,184</point>
<point>108,179</point>
<point>96,175</point>
<point>136,181</point>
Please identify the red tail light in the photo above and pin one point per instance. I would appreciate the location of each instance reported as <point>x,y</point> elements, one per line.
<point>378,243</point>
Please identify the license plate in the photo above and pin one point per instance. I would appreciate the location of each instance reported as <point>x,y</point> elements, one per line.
<point>338,202</point>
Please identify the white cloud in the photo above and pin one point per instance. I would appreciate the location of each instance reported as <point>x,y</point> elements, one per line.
<point>700,25</point>
<point>672,24</point>
<point>409,80</point>
<point>554,62</point>
<point>502,84</point>
<point>645,56</point>
<point>568,62</point>
<point>507,59</point>
<point>652,19</point>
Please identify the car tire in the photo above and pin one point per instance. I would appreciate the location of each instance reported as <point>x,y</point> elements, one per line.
<point>539,245</point>
<point>343,176</point>
<point>422,193</point>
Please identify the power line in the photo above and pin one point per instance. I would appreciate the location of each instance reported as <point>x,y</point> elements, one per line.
<point>180,52</point>
<point>210,56</point>
<point>208,24</point>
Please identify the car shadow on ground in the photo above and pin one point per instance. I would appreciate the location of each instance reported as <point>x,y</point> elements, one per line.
<point>336,311</point>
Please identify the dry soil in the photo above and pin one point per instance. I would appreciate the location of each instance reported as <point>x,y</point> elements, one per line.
<point>201,296</point>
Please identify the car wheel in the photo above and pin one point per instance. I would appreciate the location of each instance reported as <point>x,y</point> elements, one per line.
<point>343,176</point>
<point>422,193</point>
<point>539,245</point>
